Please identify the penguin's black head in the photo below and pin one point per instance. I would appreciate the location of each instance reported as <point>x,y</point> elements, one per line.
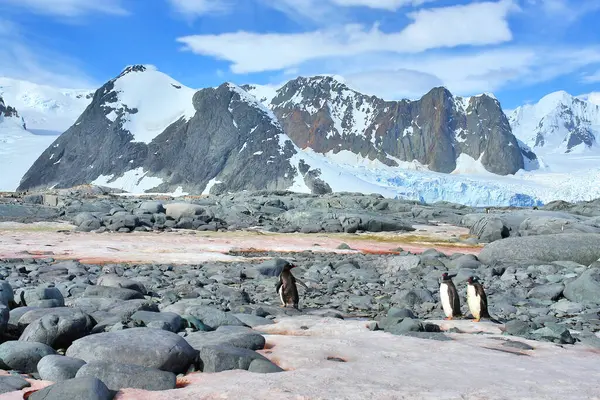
<point>471,280</point>
<point>290,266</point>
<point>445,276</point>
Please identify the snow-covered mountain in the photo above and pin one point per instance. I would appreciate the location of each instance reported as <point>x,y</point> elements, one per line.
<point>558,123</point>
<point>45,109</point>
<point>144,131</point>
<point>18,147</point>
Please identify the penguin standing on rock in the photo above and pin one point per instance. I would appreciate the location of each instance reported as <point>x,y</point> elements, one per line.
<point>449,297</point>
<point>477,300</point>
<point>286,283</point>
<point>286,287</point>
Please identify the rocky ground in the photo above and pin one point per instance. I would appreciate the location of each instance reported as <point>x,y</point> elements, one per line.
<point>105,324</point>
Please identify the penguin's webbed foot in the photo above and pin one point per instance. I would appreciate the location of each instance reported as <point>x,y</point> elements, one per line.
<point>476,320</point>
<point>448,318</point>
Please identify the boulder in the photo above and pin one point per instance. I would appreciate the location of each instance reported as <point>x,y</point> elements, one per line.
<point>23,356</point>
<point>12,383</point>
<point>58,331</point>
<point>586,288</point>
<point>87,388</point>
<point>219,358</point>
<point>118,376</point>
<point>542,249</point>
<point>57,368</point>
<point>152,348</point>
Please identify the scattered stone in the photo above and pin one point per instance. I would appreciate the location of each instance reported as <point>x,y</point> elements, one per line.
<point>12,383</point>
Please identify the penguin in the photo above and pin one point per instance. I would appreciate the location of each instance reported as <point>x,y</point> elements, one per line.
<point>286,287</point>
<point>477,300</point>
<point>449,297</point>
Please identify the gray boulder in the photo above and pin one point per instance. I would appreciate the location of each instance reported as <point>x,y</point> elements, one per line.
<point>169,321</point>
<point>12,383</point>
<point>263,367</point>
<point>58,331</point>
<point>23,356</point>
<point>87,388</point>
<point>489,229</point>
<point>586,288</point>
<point>7,296</point>
<point>57,368</point>
<point>152,348</point>
<point>550,225</point>
<point>39,297</point>
<point>552,291</point>
<point>109,292</point>
<point>578,247</point>
<point>211,317</point>
<point>120,376</point>
<point>4,318</point>
<point>243,339</point>
<point>219,358</point>
<point>117,281</point>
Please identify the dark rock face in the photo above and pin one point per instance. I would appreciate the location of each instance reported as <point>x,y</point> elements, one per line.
<point>325,115</point>
<point>119,376</point>
<point>231,139</point>
<point>6,111</point>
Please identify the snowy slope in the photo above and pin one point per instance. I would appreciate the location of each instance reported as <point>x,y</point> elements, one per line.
<point>45,108</point>
<point>18,150</point>
<point>558,123</point>
<point>159,100</point>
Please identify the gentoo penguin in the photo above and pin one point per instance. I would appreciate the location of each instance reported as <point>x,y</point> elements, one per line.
<point>286,287</point>
<point>476,299</point>
<point>449,297</point>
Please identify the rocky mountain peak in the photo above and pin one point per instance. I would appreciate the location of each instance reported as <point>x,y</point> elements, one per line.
<point>7,111</point>
<point>137,68</point>
<point>559,122</point>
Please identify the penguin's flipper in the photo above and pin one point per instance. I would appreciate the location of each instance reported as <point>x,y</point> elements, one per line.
<point>278,286</point>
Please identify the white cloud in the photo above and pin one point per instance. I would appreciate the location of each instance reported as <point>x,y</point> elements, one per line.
<point>463,74</point>
<point>23,57</point>
<point>70,8</point>
<point>592,78</point>
<point>474,24</point>
<point>563,11</point>
<point>195,8</point>
<point>390,5</point>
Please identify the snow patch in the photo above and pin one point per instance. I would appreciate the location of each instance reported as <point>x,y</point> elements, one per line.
<point>209,186</point>
<point>158,102</point>
<point>133,181</point>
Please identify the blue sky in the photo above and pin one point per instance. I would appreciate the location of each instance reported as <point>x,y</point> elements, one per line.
<point>518,49</point>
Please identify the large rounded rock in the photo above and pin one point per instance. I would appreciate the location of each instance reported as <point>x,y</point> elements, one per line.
<point>542,249</point>
<point>489,229</point>
<point>118,376</point>
<point>58,331</point>
<point>165,320</point>
<point>57,368</point>
<point>7,296</point>
<point>12,383</point>
<point>152,348</point>
<point>88,388</point>
<point>586,288</point>
<point>211,317</point>
<point>247,339</point>
<point>109,292</point>
<point>219,358</point>
<point>180,210</point>
<point>43,297</point>
<point>114,280</point>
<point>23,356</point>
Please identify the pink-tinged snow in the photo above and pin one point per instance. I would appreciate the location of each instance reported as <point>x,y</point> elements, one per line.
<point>382,366</point>
<point>159,99</point>
<point>188,247</point>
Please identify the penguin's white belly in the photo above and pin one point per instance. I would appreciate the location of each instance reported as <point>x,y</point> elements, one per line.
<point>281,295</point>
<point>474,301</point>
<point>445,297</point>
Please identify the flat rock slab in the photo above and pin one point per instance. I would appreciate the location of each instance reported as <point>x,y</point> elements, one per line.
<point>185,248</point>
<point>583,248</point>
<point>88,388</point>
